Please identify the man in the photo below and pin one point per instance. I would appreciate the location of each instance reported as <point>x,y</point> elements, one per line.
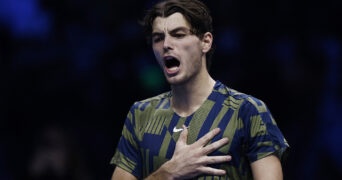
<point>201,128</point>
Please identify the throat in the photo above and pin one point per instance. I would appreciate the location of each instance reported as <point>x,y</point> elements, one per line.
<point>186,106</point>
<point>185,112</point>
<point>187,99</point>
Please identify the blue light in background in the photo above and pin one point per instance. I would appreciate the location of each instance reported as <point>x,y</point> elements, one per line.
<point>25,18</point>
<point>228,40</point>
<point>331,106</point>
<point>332,50</point>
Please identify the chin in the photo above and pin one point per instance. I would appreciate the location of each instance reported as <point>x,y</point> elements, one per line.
<point>176,81</point>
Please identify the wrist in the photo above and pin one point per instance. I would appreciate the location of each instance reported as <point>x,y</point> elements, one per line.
<point>164,172</point>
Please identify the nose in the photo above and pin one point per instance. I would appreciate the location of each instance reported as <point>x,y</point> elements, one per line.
<point>167,43</point>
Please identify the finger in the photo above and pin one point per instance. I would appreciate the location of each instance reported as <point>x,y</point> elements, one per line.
<point>212,171</point>
<point>183,137</point>
<point>207,137</point>
<point>215,145</point>
<point>216,159</point>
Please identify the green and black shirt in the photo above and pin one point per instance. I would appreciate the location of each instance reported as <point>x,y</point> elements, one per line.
<point>152,128</point>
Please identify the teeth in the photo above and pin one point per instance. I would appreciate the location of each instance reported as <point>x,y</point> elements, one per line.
<point>168,58</point>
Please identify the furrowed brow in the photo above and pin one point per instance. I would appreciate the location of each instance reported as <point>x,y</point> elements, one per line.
<point>154,34</point>
<point>182,29</point>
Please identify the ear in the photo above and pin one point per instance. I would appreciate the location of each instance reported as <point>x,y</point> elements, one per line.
<point>207,41</point>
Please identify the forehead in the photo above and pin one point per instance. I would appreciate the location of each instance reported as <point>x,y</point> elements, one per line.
<point>169,23</point>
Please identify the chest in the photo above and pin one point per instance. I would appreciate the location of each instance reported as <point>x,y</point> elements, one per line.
<point>158,136</point>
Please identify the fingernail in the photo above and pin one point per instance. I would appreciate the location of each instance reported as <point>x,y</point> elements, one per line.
<point>217,129</point>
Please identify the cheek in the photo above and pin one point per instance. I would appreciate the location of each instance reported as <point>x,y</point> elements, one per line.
<point>158,56</point>
<point>192,46</point>
<point>156,52</point>
<point>193,51</point>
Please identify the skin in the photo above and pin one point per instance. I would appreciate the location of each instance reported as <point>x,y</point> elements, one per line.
<point>267,168</point>
<point>191,84</point>
<point>185,165</point>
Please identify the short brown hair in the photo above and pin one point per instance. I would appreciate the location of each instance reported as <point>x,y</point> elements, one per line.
<point>194,11</point>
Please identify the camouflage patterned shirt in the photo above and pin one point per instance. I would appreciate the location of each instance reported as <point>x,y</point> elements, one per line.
<point>151,131</point>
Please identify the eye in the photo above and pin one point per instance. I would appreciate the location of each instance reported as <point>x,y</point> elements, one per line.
<point>179,35</point>
<point>157,38</point>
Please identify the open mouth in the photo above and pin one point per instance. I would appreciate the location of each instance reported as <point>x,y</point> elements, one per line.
<point>171,62</point>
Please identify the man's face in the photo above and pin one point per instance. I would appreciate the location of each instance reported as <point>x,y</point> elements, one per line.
<point>179,52</point>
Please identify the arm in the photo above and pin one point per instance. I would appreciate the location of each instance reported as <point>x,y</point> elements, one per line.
<point>267,168</point>
<point>263,136</point>
<point>120,174</point>
<point>188,165</point>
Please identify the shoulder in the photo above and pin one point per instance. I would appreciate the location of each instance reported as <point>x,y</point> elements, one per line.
<point>141,110</point>
<point>155,101</point>
<point>240,100</point>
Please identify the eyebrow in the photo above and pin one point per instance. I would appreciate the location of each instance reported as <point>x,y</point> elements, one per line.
<point>172,31</point>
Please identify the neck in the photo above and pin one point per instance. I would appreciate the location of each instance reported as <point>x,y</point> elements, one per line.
<point>188,97</point>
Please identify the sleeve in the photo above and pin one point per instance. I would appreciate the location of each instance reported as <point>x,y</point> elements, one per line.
<point>262,133</point>
<point>127,152</point>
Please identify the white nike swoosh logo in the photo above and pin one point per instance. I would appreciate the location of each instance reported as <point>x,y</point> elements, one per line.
<point>177,129</point>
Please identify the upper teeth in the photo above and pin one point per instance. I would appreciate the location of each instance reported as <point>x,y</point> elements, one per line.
<point>168,58</point>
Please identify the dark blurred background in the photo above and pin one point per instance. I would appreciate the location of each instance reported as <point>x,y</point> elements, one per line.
<point>71,69</point>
